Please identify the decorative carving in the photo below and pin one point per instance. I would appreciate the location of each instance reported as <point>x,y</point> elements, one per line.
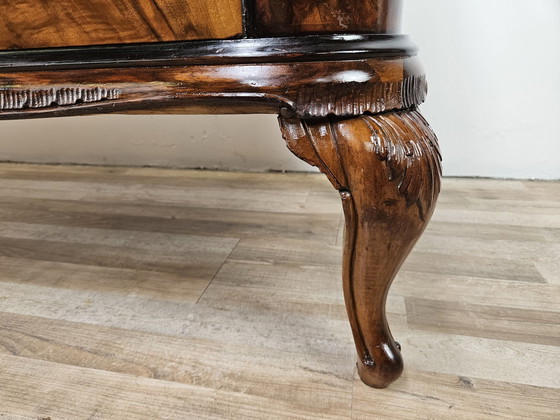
<point>13,99</point>
<point>387,168</point>
<point>312,76</point>
<point>342,99</point>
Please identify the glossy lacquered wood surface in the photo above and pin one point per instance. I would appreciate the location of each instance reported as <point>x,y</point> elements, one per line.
<point>58,23</point>
<point>305,89</point>
<point>387,171</point>
<point>250,77</point>
<point>289,17</point>
<point>233,51</point>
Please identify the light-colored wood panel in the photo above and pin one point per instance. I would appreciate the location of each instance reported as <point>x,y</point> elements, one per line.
<point>297,333</point>
<point>491,189</point>
<point>287,288</point>
<point>507,361</point>
<point>59,23</point>
<point>303,380</point>
<point>265,334</point>
<point>148,241</point>
<point>124,175</point>
<point>549,268</point>
<point>302,252</point>
<point>78,276</point>
<point>483,291</point>
<point>75,392</point>
<point>426,395</point>
<point>515,250</point>
<point>530,326</point>
<point>458,229</point>
<point>201,257</point>
<point>175,219</point>
<point>231,198</point>
<point>504,218</point>
<point>463,264</point>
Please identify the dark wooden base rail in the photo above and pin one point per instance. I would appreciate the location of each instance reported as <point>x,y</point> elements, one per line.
<point>347,103</point>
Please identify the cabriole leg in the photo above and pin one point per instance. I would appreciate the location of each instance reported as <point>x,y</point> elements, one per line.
<point>387,170</point>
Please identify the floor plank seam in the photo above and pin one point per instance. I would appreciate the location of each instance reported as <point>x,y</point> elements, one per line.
<point>217,271</point>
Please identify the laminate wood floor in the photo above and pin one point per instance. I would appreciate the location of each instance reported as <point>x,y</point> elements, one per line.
<point>163,294</point>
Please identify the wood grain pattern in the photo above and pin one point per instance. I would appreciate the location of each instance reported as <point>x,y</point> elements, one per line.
<point>512,324</point>
<point>306,89</point>
<point>387,171</point>
<point>28,24</point>
<point>329,76</point>
<point>421,395</point>
<point>288,17</point>
<point>72,395</point>
<point>177,360</point>
<point>267,337</point>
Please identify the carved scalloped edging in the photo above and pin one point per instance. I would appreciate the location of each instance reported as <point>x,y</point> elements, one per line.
<point>14,99</point>
<point>356,98</point>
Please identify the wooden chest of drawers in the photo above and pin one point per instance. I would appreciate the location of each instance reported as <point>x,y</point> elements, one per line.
<point>345,85</point>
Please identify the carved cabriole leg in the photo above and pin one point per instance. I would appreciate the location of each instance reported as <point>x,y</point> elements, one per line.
<point>387,170</point>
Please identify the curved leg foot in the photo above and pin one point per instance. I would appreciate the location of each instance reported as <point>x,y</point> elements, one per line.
<point>387,170</point>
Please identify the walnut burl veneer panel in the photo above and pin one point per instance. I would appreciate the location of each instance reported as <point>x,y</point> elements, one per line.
<point>56,23</point>
<point>288,17</point>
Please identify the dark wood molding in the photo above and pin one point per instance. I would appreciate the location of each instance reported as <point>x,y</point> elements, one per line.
<point>233,51</point>
<point>311,76</point>
<point>249,18</point>
<point>387,170</point>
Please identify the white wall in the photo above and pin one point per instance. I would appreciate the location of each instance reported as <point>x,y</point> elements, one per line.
<point>494,71</point>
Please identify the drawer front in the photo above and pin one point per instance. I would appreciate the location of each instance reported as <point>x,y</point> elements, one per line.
<point>56,23</point>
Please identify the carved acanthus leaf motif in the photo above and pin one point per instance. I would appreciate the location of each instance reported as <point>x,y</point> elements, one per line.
<point>15,99</point>
<point>387,170</point>
<point>321,100</point>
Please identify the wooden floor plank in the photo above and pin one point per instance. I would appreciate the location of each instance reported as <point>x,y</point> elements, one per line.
<point>168,219</point>
<point>427,395</point>
<point>219,197</point>
<point>278,287</point>
<point>63,391</point>
<point>150,293</point>
<point>297,252</point>
<point>290,332</point>
<point>124,175</point>
<point>177,254</point>
<point>315,384</point>
<point>463,264</point>
<point>504,218</point>
<point>459,229</point>
<point>132,281</point>
<point>478,290</point>
<point>506,361</point>
<point>512,324</point>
